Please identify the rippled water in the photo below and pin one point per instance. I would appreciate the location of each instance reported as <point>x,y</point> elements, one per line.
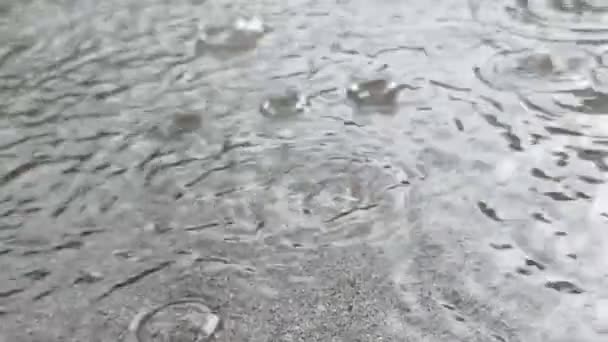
<point>346,170</point>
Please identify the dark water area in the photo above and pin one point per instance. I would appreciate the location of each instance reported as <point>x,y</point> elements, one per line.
<point>325,170</point>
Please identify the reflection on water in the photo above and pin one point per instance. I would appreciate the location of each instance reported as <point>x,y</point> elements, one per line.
<point>310,170</point>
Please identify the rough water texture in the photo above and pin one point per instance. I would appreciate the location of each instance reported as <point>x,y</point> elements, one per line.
<point>157,150</point>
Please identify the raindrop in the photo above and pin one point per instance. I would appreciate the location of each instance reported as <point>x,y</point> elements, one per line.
<point>378,92</point>
<point>241,36</point>
<point>287,104</point>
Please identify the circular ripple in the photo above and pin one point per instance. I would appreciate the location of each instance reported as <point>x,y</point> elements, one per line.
<point>538,70</point>
<point>584,21</point>
<point>313,192</point>
<point>182,320</point>
<point>353,199</point>
<point>587,104</point>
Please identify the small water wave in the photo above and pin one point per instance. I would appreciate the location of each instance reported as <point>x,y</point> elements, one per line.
<point>562,87</point>
<point>296,192</point>
<point>131,162</point>
<point>538,70</point>
<point>180,320</point>
<point>582,21</point>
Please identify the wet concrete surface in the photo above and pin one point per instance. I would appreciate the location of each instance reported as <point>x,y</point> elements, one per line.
<point>329,170</point>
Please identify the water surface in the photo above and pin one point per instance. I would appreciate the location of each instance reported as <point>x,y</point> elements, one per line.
<point>157,150</point>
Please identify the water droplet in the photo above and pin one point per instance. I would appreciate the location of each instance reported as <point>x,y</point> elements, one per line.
<point>377,92</point>
<point>287,104</point>
<point>225,40</point>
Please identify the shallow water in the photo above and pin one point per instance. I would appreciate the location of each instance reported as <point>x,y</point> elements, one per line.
<point>155,150</point>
